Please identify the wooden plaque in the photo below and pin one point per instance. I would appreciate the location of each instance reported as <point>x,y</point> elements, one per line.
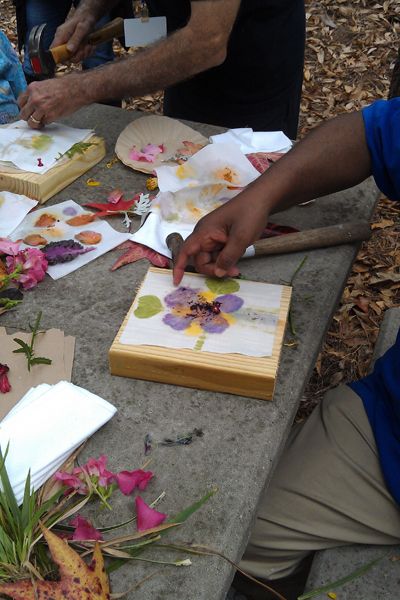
<point>42,187</point>
<point>232,373</point>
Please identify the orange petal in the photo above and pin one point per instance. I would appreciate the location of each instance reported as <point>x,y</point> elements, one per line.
<point>83,219</point>
<point>88,237</point>
<point>34,239</point>
<point>46,220</point>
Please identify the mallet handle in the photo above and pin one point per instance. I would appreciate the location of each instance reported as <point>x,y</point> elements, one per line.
<point>113,29</point>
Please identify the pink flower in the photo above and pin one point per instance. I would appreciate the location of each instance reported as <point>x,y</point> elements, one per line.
<point>8,247</point>
<point>4,383</point>
<point>147,517</point>
<point>72,481</point>
<point>33,263</point>
<point>84,530</point>
<point>97,468</point>
<point>130,480</point>
<point>148,154</point>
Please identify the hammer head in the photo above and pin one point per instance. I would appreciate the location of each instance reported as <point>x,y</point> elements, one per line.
<point>42,60</point>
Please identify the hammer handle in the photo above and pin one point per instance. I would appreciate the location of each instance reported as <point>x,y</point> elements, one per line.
<point>324,237</point>
<point>113,29</point>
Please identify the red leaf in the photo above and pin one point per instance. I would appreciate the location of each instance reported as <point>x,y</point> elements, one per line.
<point>107,208</point>
<point>137,252</point>
<point>273,230</point>
<point>263,160</point>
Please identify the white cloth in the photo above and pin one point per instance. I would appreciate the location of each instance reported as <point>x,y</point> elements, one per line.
<point>45,427</point>
<point>254,141</point>
<point>13,210</point>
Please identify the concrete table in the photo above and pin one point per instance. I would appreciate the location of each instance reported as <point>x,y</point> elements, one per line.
<point>242,437</point>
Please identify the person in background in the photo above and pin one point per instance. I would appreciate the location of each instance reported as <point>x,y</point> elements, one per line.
<point>337,481</point>
<point>35,12</point>
<point>12,81</point>
<point>225,62</point>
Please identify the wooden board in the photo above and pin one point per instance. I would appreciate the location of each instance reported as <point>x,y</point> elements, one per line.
<point>42,187</point>
<point>231,373</point>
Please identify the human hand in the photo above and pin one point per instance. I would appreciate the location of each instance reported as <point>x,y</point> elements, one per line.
<point>221,237</point>
<point>46,101</point>
<point>74,32</point>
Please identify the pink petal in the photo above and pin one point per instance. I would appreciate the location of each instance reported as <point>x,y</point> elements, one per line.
<point>115,196</point>
<point>130,480</point>
<point>147,517</point>
<point>84,530</point>
<point>72,481</point>
<point>8,247</point>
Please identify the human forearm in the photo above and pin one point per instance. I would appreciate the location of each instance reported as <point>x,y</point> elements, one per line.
<point>333,157</point>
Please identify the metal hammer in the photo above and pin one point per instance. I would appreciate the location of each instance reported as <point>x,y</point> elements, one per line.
<point>44,61</point>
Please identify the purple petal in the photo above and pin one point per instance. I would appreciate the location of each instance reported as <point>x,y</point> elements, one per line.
<point>177,322</point>
<point>229,303</point>
<point>214,324</point>
<point>70,211</point>
<point>181,296</point>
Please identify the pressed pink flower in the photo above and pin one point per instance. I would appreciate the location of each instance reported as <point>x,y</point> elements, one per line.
<point>147,154</point>
<point>147,517</point>
<point>4,383</point>
<point>33,263</point>
<point>84,530</point>
<point>72,481</point>
<point>8,247</point>
<point>97,468</point>
<point>130,480</point>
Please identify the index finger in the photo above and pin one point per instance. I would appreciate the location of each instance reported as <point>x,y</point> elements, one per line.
<point>190,246</point>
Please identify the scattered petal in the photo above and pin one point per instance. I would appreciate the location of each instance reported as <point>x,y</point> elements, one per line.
<point>84,530</point>
<point>130,480</point>
<point>82,219</point>
<point>8,247</point>
<point>35,240</point>
<point>89,237</point>
<point>147,154</point>
<point>115,196</point>
<point>4,383</point>
<point>70,211</point>
<point>147,517</point>
<point>46,220</point>
<point>92,182</point>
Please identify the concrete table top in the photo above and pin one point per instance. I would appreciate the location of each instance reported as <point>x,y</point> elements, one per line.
<point>242,437</point>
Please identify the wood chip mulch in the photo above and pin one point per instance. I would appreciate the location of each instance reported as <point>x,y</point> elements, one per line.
<point>351,50</point>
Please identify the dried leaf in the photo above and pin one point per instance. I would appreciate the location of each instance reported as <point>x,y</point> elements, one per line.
<point>137,252</point>
<point>78,581</point>
<point>46,220</point>
<point>34,240</point>
<point>89,237</point>
<point>82,219</point>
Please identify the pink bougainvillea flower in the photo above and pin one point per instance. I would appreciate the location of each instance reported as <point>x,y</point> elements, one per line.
<point>147,154</point>
<point>33,266</point>
<point>97,468</point>
<point>4,383</point>
<point>8,247</point>
<point>84,530</point>
<point>147,517</point>
<point>72,481</point>
<point>130,480</point>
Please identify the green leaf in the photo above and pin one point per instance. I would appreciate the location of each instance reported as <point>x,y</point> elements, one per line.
<point>24,346</point>
<point>222,286</point>
<point>19,351</point>
<point>148,307</point>
<point>338,582</point>
<point>40,360</point>
<point>187,512</point>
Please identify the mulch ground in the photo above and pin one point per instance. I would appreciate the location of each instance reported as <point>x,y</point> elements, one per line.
<point>351,50</point>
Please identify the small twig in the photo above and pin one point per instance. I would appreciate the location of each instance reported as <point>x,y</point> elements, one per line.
<point>290,315</point>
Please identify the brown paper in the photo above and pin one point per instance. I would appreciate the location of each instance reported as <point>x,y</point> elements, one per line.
<point>50,344</point>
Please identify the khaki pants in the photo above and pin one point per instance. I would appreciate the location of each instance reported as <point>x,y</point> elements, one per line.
<point>327,491</point>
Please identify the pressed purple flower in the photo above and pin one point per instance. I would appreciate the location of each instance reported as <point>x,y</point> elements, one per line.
<point>189,306</point>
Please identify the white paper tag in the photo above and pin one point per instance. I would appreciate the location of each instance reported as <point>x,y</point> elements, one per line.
<point>142,33</point>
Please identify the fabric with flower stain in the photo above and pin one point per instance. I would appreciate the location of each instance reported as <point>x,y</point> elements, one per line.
<point>203,314</point>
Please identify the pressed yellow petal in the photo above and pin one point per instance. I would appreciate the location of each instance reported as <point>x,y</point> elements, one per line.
<point>194,329</point>
<point>208,295</point>
<point>228,317</point>
<point>332,595</point>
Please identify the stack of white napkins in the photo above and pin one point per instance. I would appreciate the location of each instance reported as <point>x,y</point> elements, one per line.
<point>251,141</point>
<point>45,427</point>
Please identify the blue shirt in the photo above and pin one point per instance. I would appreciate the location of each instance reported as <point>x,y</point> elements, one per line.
<point>380,391</point>
<point>12,81</point>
